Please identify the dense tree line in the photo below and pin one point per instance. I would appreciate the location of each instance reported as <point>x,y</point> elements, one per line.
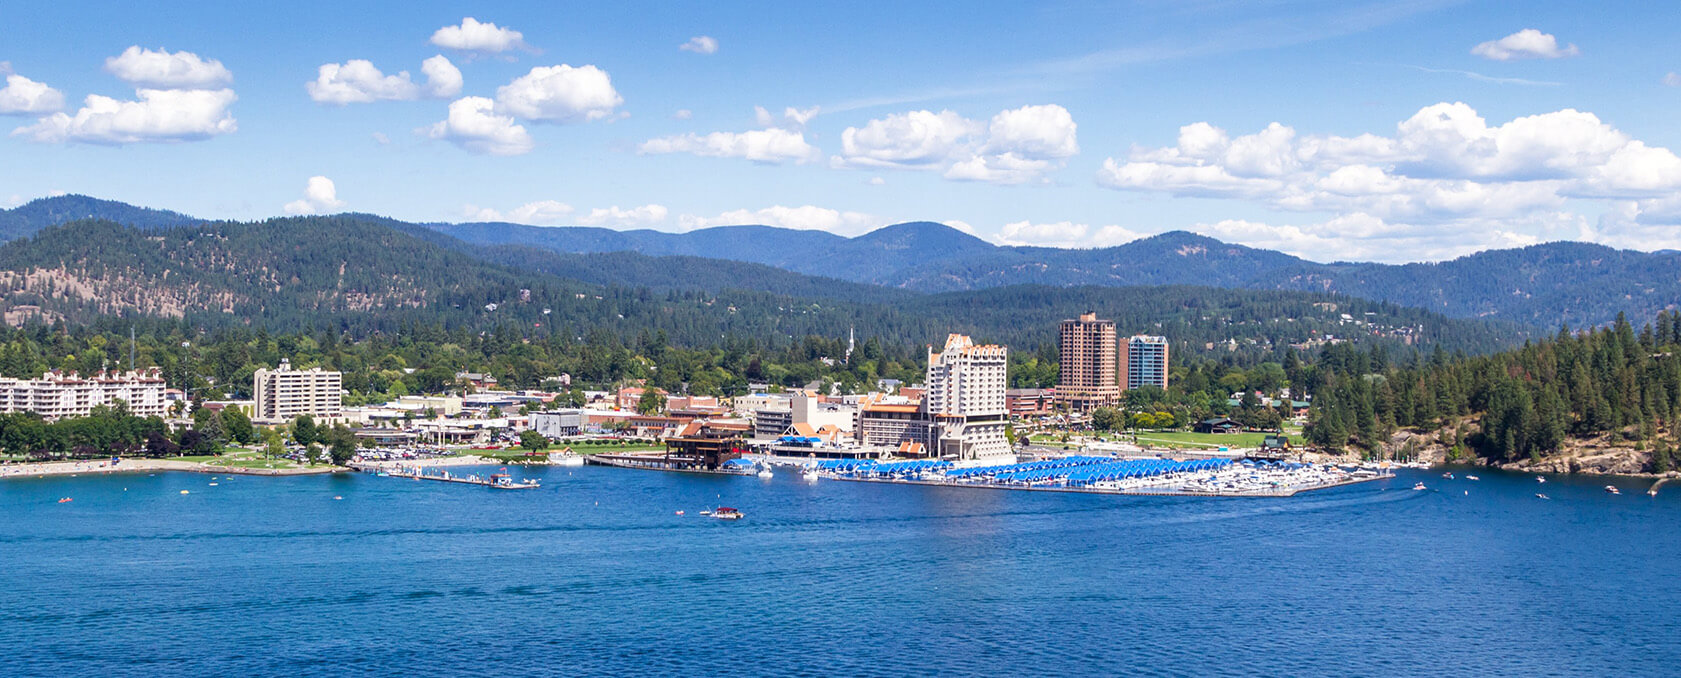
<point>1528,402</point>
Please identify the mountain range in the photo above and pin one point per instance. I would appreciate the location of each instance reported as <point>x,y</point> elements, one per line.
<point>1542,286</point>
<point>367,275</point>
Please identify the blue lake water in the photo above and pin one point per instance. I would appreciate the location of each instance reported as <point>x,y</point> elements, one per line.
<point>594,574</point>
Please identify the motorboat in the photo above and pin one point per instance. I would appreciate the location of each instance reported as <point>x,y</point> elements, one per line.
<point>1613,489</point>
<point>765,473</point>
<point>1448,475</point>
<point>65,500</point>
<point>724,513</point>
<point>810,475</point>
<point>1419,486</point>
<point>1538,495</point>
<point>1540,479</point>
<point>1472,478</point>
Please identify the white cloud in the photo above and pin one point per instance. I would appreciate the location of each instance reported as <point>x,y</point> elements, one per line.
<point>27,97</point>
<point>539,213</point>
<point>162,69</point>
<point>807,217</point>
<point>1673,79</point>
<point>359,81</point>
<point>700,44</point>
<point>913,140</point>
<point>561,94</point>
<point>158,116</point>
<point>1034,132</point>
<point>381,139</point>
<point>1525,44</point>
<point>792,118</point>
<point>771,146</point>
<point>320,195</point>
<point>473,124</point>
<point>646,215</point>
<point>1016,146</point>
<point>876,181</point>
<point>1064,234</point>
<point>1445,184</point>
<point>473,36</point>
<point>682,114</point>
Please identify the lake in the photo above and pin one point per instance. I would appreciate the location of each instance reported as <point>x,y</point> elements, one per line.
<point>595,574</point>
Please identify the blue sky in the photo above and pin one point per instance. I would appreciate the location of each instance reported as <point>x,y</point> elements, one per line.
<point>1392,131</point>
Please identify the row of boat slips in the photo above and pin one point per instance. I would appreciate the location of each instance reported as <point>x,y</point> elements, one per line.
<point>1223,477</point>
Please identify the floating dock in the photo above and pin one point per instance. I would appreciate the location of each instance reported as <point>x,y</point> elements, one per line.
<point>500,481</point>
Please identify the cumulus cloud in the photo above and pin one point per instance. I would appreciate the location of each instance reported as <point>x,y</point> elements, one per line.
<point>700,44</point>
<point>645,215</point>
<point>359,81</point>
<point>474,36</point>
<point>1673,79</point>
<point>560,94</point>
<point>770,146</point>
<point>157,116</point>
<point>806,217</point>
<point>682,114</point>
<point>162,69</point>
<point>22,96</point>
<point>1446,182</point>
<point>1064,234</point>
<point>539,213</point>
<point>1525,44</point>
<point>474,124</point>
<point>320,195</point>
<point>1016,146</point>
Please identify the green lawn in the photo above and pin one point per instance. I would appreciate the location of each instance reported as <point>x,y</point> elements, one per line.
<point>243,458</point>
<point>1179,439</point>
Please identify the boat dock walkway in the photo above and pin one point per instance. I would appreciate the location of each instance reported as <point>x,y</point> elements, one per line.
<point>498,481</point>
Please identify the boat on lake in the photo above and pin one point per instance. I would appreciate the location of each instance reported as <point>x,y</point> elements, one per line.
<point>566,457</point>
<point>1612,489</point>
<point>724,513</point>
<point>1419,486</point>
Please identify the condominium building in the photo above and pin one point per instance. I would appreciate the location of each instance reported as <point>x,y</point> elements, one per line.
<point>965,399</point>
<point>1089,377</point>
<point>58,395</point>
<point>1146,361</point>
<point>283,393</point>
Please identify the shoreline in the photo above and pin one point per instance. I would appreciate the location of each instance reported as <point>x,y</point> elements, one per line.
<point>126,465</point>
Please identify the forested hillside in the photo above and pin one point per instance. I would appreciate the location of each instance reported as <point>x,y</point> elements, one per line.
<point>360,276</point>
<point>1543,286</point>
<point>1613,387</point>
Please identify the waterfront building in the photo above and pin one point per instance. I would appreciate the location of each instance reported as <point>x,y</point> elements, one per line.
<point>1146,362</point>
<point>1089,375</point>
<point>558,423</point>
<point>894,425</point>
<point>1027,403</point>
<point>283,394</point>
<point>965,399</point>
<point>58,394</point>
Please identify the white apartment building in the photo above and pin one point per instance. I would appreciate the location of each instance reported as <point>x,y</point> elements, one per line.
<point>283,394</point>
<point>965,399</point>
<point>57,395</point>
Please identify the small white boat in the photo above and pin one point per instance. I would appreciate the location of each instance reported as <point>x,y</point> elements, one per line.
<point>1472,478</point>
<point>724,513</point>
<point>766,474</point>
<point>1448,475</point>
<point>1613,489</point>
<point>810,475</point>
<point>1538,495</point>
<point>1419,486</point>
<point>1540,479</point>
